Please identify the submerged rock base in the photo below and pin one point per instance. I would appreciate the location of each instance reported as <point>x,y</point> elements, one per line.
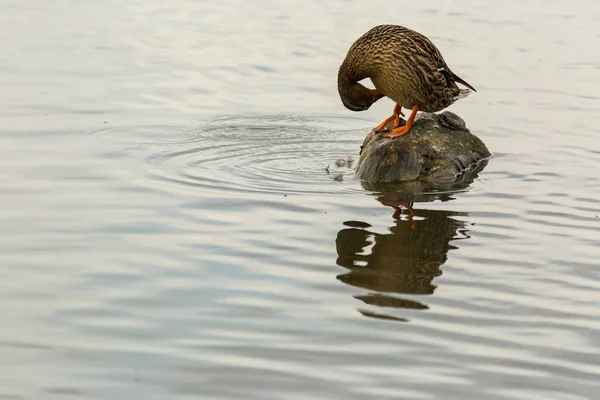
<point>438,147</point>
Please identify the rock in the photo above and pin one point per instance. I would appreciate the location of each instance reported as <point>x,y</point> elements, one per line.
<point>438,149</point>
<point>426,189</point>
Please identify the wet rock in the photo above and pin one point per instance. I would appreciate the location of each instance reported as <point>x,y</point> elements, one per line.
<point>438,148</point>
<point>340,162</point>
<point>426,189</point>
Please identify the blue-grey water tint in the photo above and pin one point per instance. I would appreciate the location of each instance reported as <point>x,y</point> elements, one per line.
<point>169,229</point>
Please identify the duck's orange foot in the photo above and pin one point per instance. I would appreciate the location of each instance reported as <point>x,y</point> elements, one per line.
<point>394,117</point>
<point>397,132</point>
<point>382,126</point>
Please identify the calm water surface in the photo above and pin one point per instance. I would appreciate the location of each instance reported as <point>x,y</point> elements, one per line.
<point>169,231</point>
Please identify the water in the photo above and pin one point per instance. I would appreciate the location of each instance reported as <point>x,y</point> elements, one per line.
<point>170,231</point>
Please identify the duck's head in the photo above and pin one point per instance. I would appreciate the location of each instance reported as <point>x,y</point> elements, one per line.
<point>356,97</point>
<point>361,101</point>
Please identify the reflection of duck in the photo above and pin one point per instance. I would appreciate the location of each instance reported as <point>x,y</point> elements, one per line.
<point>407,259</point>
<point>403,65</point>
<point>403,261</point>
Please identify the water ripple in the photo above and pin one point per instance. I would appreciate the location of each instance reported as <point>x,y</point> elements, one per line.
<point>273,154</point>
<point>143,135</point>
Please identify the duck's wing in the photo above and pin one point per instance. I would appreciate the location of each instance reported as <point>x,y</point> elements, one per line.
<point>431,61</point>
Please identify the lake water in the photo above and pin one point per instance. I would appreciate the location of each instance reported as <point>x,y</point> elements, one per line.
<point>169,231</point>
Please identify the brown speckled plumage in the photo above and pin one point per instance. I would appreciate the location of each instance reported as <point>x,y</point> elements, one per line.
<point>403,65</point>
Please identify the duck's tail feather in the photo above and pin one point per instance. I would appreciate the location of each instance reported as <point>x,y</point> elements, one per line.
<point>462,81</point>
<point>462,94</point>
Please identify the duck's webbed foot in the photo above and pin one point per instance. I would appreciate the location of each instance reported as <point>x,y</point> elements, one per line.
<point>394,117</point>
<point>399,131</point>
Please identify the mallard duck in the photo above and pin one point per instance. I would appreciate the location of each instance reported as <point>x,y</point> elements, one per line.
<point>403,65</point>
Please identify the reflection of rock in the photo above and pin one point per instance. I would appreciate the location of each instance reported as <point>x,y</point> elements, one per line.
<point>437,147</point>
<point>404,261</point>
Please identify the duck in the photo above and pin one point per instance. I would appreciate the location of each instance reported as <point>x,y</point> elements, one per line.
<point>403,65</point>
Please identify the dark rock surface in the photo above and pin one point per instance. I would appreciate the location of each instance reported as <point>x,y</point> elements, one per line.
<point>438,149</point>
